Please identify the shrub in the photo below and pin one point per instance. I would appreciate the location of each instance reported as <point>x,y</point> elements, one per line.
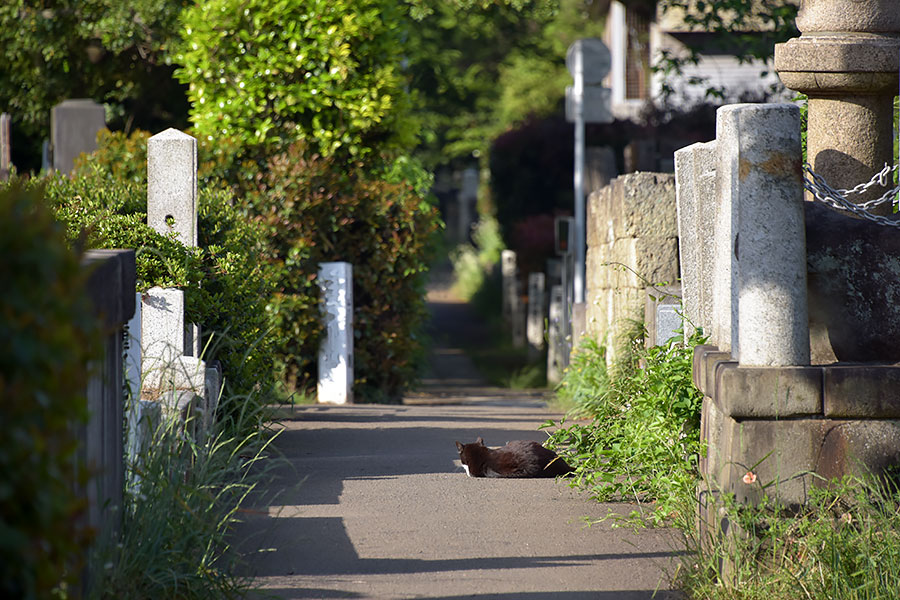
<point>644,437</point>
<point>377,217</point>
<point>47,331</point>
<point>324,71</point>
<point>472,263</point>
<point>176,529</point>
<point>226,288</point>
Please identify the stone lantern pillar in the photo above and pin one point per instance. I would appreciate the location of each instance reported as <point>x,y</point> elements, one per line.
<point>846,61</point>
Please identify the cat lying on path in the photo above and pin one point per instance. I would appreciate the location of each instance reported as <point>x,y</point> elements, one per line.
<point>516,459</point>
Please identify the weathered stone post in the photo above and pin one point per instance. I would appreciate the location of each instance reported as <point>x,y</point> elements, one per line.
<point>535,326</point>
<point>5,147</point>
<point>172,198</point>
<point>170,347</point>
<point>73,129</point>
<point>846,61</point>
<point>695,192</point>
<point>336,354</point>
<point>557,349</point>
<point>763,242</point>
<point>510,288</point>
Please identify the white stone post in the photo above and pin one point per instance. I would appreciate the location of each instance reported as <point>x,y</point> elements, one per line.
<point>172,185</point>
<point>5,147</point>
<point>761,202</point>
<point>509,290</point>
<point>695,192</point>
<point>557,348</point>
<point>336,353</point>
<point>535,325</point>
<point>467,199</point>
<point>172,199</point>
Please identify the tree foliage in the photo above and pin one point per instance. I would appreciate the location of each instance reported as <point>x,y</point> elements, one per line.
<point>113,52</point>
<point>746,30</point>
<point>323,71</point>
<point>49,335</point>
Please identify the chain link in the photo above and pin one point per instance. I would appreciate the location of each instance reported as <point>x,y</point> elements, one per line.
<point>837,198</point>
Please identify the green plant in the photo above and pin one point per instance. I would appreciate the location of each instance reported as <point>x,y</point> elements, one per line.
<point>113,52</point>
<point>643,441</point>
<point>472,263</point>
<point>48,334</point>
<point>271,73</point>
<point>844,543</point>
<point>378,217</point>
<point>103,205</point>
<point>187,497</point>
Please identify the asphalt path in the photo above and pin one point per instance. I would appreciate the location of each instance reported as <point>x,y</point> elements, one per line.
<point>370,501</point>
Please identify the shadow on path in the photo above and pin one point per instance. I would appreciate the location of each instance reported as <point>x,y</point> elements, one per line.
<point>371,502</point>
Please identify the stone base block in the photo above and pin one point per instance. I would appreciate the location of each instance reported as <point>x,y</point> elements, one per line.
<point>862,391</point>
<point>707,358</point>
<point>860,448</point>
<point>769,392</point>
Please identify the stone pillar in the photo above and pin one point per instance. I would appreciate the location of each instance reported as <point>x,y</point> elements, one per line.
<point>846,61</point>
<point>764,243</point>
<point>172,199</point>
<point>5,147</point>
<point>557,348</point>
<point>336,353</point>
<point>467,200</point>
<point>510,286</point>
<point>172,185</point>
<point>599,168</point>
<point>74,125</point>
<point>519,316</point>
<point>536,306</point>
<point>695,190</point>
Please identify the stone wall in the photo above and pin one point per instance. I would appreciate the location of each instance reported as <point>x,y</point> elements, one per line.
<point>751,249</point>
<point>632,239</point>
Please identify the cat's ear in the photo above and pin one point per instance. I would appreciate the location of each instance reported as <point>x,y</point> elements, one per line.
<point>480,441</point>
<point>459,446</point>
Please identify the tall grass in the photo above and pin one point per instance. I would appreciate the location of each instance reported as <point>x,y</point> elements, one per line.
<point>638,439</point>
<point>843,544</point>
<point>642,439</point>
<point>177,516</point>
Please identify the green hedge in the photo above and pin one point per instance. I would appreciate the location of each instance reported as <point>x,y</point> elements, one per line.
<point>375,214</point>
<point>103,205</point>
<point>377,217</point>
<point>47,330</point>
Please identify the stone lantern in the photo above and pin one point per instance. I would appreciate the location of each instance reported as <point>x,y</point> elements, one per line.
<point>846,61</point>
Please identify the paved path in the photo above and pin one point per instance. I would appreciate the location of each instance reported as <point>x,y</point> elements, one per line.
<point>374,504</point>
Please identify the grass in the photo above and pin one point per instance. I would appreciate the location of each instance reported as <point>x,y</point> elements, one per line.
<point>642,445</point>
<point>186,490</point>
<point>844,544</point>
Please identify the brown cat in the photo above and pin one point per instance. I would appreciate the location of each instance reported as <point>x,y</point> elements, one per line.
<point>516,459</point>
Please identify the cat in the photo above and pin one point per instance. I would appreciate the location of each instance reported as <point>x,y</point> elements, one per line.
<point>516,459</point>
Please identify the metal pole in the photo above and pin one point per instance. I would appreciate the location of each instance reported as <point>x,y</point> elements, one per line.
<point>578,93</point>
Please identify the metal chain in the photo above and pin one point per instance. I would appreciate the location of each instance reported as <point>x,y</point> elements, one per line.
<point>837,198</point>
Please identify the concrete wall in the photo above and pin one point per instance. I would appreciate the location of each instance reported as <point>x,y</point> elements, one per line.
<point>110,287</point>
<point>632,239</point>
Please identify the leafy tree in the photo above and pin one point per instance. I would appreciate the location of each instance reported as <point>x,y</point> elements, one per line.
<point>746,30</point>
<point>323,71</point>
<point>113,52</point>
<point>49,335</point>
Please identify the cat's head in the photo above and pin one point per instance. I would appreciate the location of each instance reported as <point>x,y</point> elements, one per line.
<point>469,457</point>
